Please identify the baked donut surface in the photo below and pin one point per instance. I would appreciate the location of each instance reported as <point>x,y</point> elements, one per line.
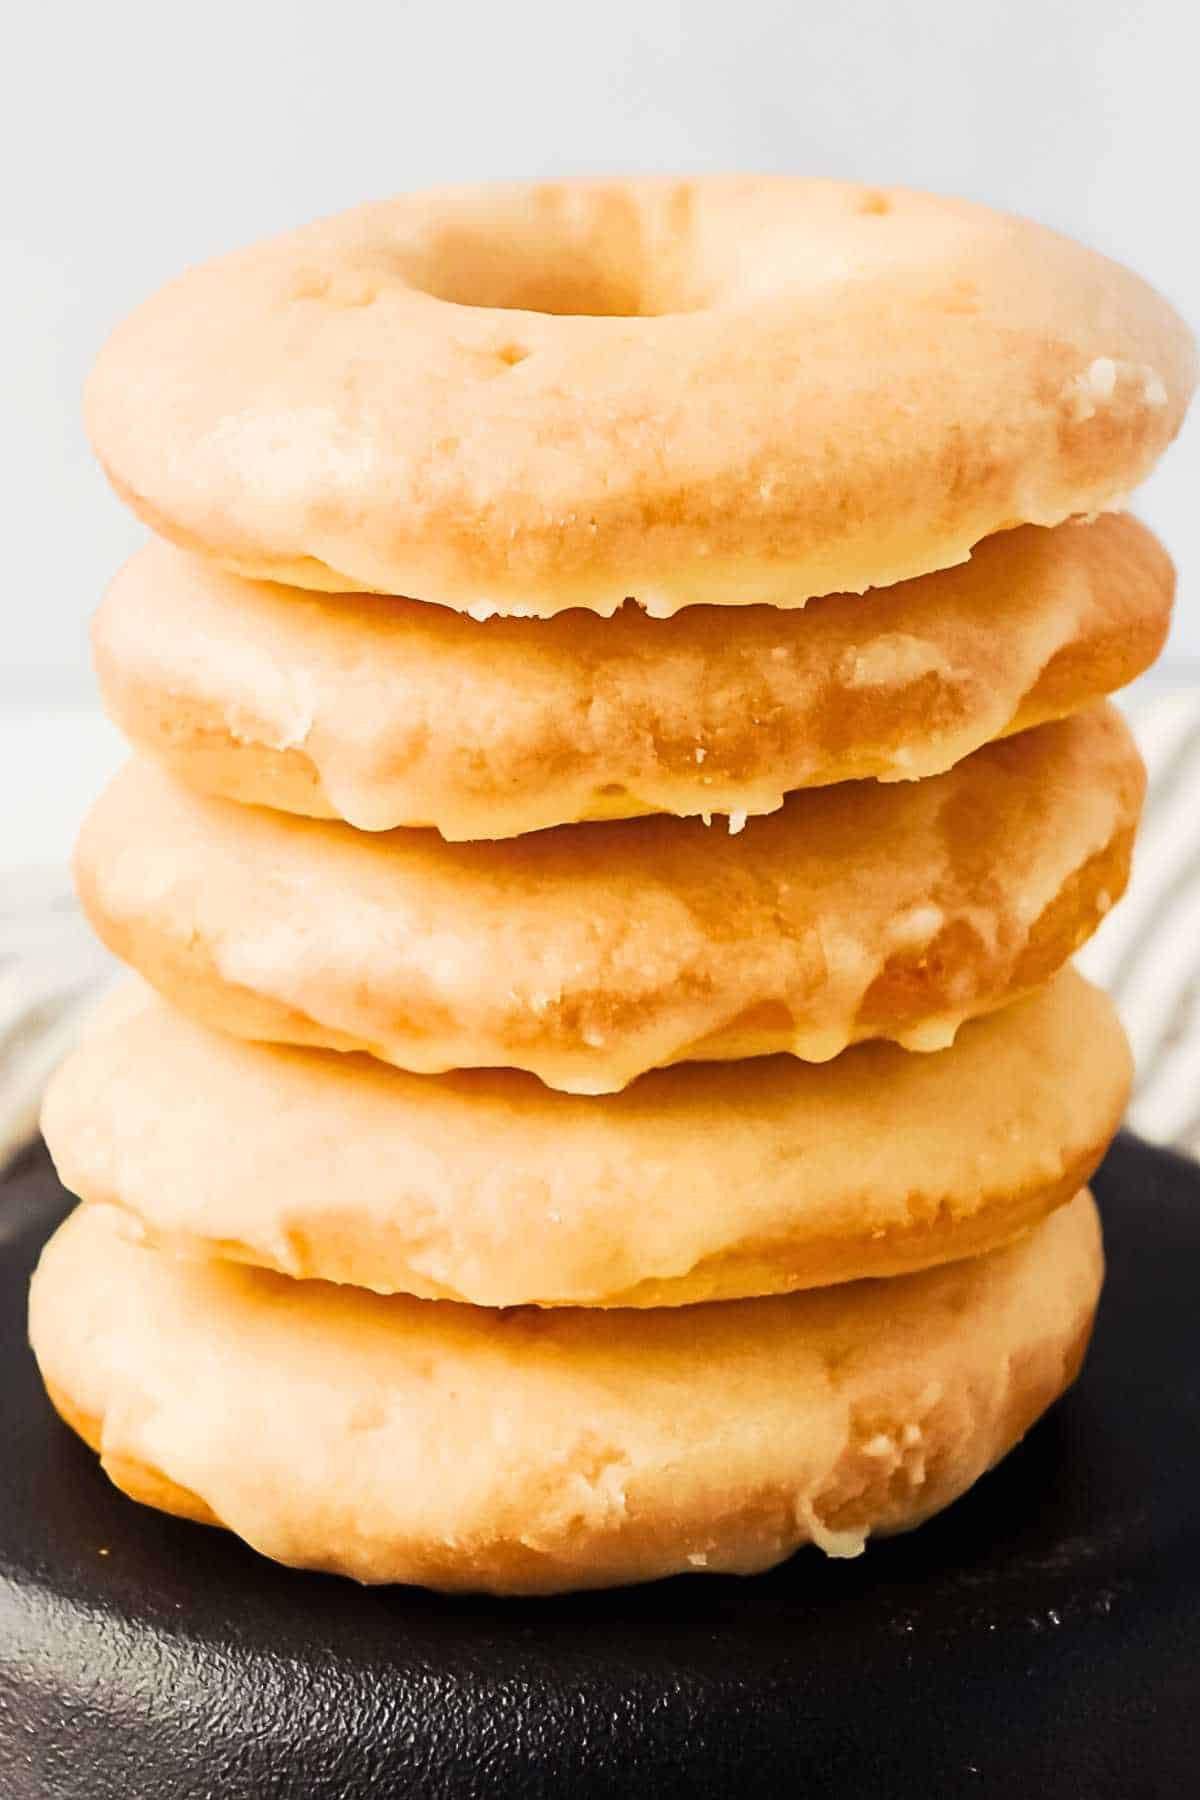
<point>529,1451</point>
<point>529,397</point>
<point>591,953</point>
<point>387,712</point>
<point>492,1189</point>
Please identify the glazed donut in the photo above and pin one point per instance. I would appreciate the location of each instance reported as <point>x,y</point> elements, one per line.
<point>490,1188</point>
<point>592,953</point>
<point>523,398</point>
<point>392,1439</point>
<point>386,712</point>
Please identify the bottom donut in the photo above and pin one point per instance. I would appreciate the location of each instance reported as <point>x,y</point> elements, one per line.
<point>400,1440</point>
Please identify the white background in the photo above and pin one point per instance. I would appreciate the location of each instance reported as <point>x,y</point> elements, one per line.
<point>138,136</point>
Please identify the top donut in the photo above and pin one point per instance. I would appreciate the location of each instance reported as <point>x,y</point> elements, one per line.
<point>523,398</point>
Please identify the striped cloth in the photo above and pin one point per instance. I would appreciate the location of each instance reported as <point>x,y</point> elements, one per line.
<point>51,971</point>
<point>1147,953</point>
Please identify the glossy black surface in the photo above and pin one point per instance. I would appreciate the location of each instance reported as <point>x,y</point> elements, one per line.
<point>1040,1639</point>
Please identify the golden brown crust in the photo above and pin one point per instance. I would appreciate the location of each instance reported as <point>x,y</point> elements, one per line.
<point>147,1486</point>
<point>492,1189</point>
<point>533,1452</point>
<point>591,953</point>
<point>389,712</point>
<point>800,387</point>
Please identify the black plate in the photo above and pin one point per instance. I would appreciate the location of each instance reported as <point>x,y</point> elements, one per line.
<point>1045,1632</point>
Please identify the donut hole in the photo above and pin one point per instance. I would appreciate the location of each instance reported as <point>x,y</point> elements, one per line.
<point>471,274</point>
<point>470,271</point>
<point>591,254</point>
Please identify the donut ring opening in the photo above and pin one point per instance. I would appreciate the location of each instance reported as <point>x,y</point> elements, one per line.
<point>593,254</point>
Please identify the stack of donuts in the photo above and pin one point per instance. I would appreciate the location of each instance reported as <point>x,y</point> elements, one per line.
<point>621,765</point>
